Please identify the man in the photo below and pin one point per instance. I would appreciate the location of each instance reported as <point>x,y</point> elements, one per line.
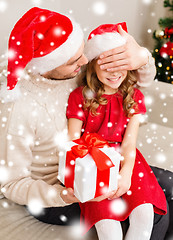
<point>45,54</point>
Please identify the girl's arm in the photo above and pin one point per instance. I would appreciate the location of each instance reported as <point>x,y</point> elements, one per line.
<point>74,132</point>
<point>128,151</point>
<point>74,128</point>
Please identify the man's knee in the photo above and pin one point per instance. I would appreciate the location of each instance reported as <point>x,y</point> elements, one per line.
<point>161,223</point>
<point>165,180</point>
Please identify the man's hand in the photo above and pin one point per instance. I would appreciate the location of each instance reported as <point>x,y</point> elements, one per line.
<point>129,56</point>
<point>67,195</point>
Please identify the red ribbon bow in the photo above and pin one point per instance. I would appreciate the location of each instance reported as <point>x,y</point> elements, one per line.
<point>90,143</point>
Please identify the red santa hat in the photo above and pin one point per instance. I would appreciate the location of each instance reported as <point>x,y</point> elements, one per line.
<point>104,38</point>
<point>42,40</point>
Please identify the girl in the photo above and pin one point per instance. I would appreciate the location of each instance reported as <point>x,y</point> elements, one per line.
<point>110,105</point>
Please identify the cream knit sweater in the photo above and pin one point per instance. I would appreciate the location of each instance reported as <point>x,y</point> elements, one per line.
<point>31,131</point>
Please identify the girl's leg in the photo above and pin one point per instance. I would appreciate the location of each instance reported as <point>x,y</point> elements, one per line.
<point>108,229</point>
<point>141,223</point>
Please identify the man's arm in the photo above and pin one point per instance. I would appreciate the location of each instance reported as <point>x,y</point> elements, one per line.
<point>17,157</point>
<point>130,56</point>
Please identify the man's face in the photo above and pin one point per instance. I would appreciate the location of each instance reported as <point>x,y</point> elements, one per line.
<point>71,68</point>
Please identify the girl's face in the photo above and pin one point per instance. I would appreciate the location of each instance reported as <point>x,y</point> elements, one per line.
<point>110,80</point>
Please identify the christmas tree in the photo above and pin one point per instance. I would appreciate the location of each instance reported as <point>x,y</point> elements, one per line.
<point>163,51</point>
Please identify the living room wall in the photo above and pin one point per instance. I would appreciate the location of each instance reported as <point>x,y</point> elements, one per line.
<point>141,15</point>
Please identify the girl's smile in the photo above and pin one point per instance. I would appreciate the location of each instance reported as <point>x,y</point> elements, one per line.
<point>111,81</point>
<point>114,79</point>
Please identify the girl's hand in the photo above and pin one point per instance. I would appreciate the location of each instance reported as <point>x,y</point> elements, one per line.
<point>102,197</point>
<point>124,183</point>
<point>67,195</point>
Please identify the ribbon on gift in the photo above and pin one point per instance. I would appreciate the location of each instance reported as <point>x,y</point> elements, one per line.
<point>89,144</point>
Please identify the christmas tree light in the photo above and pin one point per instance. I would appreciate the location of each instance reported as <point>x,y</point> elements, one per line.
<point>163,51</point>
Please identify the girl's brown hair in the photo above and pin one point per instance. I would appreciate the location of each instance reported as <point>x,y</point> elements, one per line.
<point>94,89</point>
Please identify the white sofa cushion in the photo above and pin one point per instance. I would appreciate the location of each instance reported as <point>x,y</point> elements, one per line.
<point>156,144</point>
<point>159,103</point>
<point>17,224</point>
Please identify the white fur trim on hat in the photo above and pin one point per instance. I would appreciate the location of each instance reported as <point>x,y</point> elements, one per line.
<point>60,55</point>
<point>9,96</point>
<point>5,94</point>
<point>100,43</point>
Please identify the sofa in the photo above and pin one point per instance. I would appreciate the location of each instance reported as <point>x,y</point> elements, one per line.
<point>155,141</point>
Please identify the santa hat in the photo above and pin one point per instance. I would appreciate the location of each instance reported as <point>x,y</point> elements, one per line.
<point>104,38</point>
<point>43,40</point>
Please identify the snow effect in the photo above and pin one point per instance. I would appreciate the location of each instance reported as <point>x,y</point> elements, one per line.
<point>5,204</point>
<point>89,94</point>
<point>147,2</point>
<point>76,230</point>
<point>52,193</point>
<point>101,184</point>
<point>61,139</point>
<point>118,206</point>
<point>64,192</point>
<point>58,31</point>
<point>11,54</point>
<point>3,173</point>
<point>141,174</point>
<point>160,64</point>
<point>160,157</point>
<point>109,124</point>
<point>80,113</point>
<point>35,206</point>
<point>149,140</point>
<point>99,8</point>
<point>63,218</point>
<point>37,2</point>
<point>29,140</point>
<point>129,192</point>
<point>165,120</point>
<point>153,14</point>
<point>146,234</point>
<point>148,100</point>
<point>3,6</point>
<point>72,162</point>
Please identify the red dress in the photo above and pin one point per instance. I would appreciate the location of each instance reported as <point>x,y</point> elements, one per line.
<point>111,123</point>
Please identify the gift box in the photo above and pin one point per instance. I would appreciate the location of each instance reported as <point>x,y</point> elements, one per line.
<point>89,166</point>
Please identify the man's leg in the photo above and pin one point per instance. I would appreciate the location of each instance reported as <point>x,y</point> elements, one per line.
<point>165,179</point>
<point>161,223</point>
<point>60,215</point>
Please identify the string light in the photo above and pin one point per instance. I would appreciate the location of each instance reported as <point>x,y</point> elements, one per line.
<point>163,51</point>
